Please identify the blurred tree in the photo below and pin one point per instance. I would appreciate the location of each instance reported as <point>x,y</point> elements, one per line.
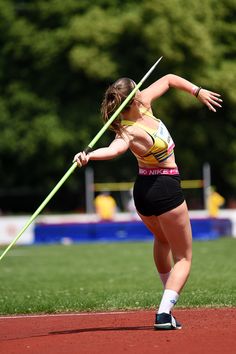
<point>58,57</point>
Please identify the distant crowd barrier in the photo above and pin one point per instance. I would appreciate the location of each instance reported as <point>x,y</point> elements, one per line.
<point>203,229</point>
<point>72,228</point>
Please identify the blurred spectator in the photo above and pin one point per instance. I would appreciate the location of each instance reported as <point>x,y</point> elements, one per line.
<point>215,201</point>
<point>105,206</point>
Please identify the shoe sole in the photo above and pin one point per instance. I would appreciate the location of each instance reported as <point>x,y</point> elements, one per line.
<point>165,326</point>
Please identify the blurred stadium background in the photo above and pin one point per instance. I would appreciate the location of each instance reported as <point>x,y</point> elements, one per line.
<point>57,58</point>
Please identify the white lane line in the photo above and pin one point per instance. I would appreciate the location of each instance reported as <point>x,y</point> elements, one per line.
<point>68,315</point>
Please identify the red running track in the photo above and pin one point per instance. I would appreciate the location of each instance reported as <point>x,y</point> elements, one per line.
<point>204,331</point>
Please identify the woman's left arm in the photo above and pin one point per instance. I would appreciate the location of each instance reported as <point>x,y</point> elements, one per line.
<point>158,88</point>
<point>117,147</point>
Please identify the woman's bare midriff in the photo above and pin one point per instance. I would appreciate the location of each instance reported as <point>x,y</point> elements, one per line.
<point>168,163</point>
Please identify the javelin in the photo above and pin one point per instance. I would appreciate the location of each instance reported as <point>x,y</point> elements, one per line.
<point>74,165</point>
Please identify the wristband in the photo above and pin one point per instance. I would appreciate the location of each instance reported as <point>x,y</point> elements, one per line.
<point>198,90</point>
<point>87,150</point>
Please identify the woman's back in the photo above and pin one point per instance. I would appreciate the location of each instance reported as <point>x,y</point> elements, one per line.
<point>149,139</point>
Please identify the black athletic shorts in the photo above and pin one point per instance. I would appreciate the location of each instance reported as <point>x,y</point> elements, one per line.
<point>155,195</point>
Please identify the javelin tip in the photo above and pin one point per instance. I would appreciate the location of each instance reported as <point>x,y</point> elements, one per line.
<point>150,70</point>
<point>157,61</point>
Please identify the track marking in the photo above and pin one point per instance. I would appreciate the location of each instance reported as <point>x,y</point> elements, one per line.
<point>68,315</point>
<point>72,314</point>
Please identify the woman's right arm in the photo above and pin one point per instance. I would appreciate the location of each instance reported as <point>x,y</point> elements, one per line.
<point>116,148</point>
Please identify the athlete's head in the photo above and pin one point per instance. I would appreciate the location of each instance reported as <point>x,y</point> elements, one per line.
<point>114,96</point>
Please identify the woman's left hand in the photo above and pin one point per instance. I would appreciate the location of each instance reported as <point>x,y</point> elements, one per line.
<point>81,158</point>
<point>210,99</point>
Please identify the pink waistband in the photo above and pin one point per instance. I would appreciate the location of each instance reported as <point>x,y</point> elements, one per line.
<point>158,171</point>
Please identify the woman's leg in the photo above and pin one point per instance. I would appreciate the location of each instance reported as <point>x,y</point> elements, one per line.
<point>172,231</point>
<point>173,228</point>
<point>161,248</point>
<point>176,227</point>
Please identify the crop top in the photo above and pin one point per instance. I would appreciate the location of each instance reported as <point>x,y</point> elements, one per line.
<point>163,145</point>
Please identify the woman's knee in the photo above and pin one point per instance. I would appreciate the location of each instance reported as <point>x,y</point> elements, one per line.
<point>185,258</point>
<point>184,266</point>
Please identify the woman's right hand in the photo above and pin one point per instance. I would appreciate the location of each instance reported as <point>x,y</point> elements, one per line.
<point>81,158</point>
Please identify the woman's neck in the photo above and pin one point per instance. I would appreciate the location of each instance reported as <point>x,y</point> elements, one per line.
<point>132,113</point>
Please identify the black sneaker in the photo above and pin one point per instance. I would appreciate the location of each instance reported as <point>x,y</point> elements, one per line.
<point>166,321</point>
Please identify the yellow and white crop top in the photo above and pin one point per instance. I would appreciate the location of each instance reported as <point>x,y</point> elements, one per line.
<point>163,145</point>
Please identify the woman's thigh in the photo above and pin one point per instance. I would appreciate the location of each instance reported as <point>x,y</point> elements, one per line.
<point>153,224</point>
<point>176,227</point>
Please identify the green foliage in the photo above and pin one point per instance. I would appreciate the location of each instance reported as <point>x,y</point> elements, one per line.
<point>57,58</point>
<point>109,277</point>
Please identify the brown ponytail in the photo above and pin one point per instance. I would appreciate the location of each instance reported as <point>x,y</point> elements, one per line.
<point>114,96</point>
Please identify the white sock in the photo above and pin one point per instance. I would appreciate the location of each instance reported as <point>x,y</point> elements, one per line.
<point>164,277</point>
<point>169,299</point>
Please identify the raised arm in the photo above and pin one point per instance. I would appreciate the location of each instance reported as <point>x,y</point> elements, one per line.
<point>158,88</point>
<point>117,147</point>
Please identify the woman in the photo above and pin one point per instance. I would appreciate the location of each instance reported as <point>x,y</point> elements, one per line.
<point>158,196</point>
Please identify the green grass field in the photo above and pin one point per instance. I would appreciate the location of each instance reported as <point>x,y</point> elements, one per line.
<point>89,277</point>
